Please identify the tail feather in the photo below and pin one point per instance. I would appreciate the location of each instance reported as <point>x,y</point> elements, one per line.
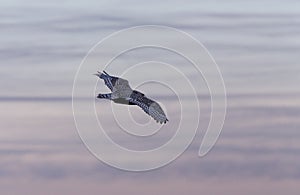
<point>104,96</point>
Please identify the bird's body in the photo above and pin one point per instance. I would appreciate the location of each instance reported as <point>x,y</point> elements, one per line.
<point>122,93</point>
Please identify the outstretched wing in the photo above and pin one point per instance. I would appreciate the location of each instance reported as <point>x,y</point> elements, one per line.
<point>110,81</point>
<point>149,106</point>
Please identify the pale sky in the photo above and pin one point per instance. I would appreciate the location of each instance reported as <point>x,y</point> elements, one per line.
<point>256,45</point>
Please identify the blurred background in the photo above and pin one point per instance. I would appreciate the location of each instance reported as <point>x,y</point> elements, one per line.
<point>255,43</point>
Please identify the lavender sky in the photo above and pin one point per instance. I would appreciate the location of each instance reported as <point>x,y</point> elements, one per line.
<point>256,45</point>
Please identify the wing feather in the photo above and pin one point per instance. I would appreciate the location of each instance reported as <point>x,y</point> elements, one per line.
<point>151,107</point>
<point>109,81</point>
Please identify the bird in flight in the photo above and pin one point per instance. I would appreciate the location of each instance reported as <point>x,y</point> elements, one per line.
<point>122,93</point>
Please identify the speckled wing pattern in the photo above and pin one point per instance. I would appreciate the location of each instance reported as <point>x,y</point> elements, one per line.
<point>109,81</point>
<point>123,94</point>
<point>149,106</point>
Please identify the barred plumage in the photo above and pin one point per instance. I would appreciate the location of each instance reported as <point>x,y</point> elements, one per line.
<point>104,96</point>
<point>123,94</point>
<point>149,106</point>
<point>109,81</point>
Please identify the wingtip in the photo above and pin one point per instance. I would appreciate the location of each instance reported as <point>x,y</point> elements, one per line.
<point>97,74</point>
<point>162,122</point>
<point>101,74</point>
<point>105,73</point>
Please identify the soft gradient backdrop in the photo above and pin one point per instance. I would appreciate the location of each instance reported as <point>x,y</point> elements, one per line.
<point>256,45</point>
